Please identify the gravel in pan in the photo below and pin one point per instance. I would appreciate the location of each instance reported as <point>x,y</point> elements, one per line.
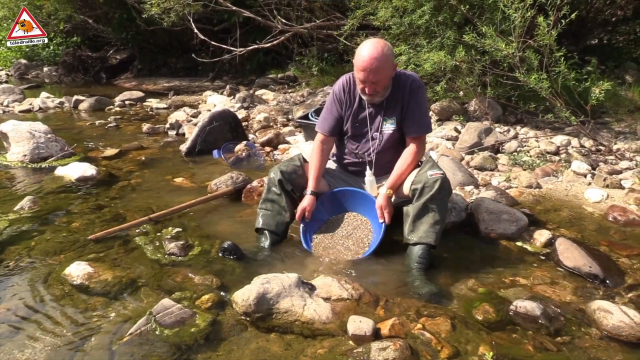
<point>343,237</point>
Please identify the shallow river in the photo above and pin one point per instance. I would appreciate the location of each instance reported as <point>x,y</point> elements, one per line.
<point>43,318</point>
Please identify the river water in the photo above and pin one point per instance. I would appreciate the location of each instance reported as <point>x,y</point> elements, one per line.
<point>41,317</point>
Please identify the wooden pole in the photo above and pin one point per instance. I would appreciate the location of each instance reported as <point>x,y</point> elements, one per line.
<point>168,212</point>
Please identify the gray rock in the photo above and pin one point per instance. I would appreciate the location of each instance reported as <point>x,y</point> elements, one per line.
<point>270,138</point>
<point>511,147</point>
<point>481,109</point>
<point>541,238</point>
<point>10,92</point>
<point>617,321</point>
<point>167,313</point>
<point>387,349</point>
<point>149,129</point>
<point>219,128</point>
<point>30,141</point>
<point>476,136</point>
<point>457,174</point>
<point>498,194</point>
<point>76,101</point>
<point>496,220</point>
<point>233,179</point>
<point>527,180</point>
<point>27,204</point>
<point>588,262</point>
<point>484,162</point>
<point>447,131</point>
<point>97,103</point>
<point>562,140</point>
<point>536,316</point>
<point>446,109</point>
<point>580,168</point>
<point>457,210</point>
<point>177,248</point>
<point>133,96</point>
<point>548,147</point>
<point>361,330</point>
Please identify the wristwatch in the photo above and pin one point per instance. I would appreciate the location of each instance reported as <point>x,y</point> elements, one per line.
<point>311,192</point>
<point>387,191</point>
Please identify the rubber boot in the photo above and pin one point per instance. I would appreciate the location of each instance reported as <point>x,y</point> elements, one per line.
<point>281,196</point>
<point>418,260</point>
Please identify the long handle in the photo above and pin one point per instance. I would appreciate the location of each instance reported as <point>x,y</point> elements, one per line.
<point>165,213</point>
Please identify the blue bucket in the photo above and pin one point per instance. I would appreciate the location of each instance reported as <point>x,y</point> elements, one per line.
<point>340,201</point>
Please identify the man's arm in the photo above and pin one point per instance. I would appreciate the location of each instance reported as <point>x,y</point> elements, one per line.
<point>322,146</point>
<point>408,161</point>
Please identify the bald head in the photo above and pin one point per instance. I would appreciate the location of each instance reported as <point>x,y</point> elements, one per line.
<point>374,66</point>
<point>373,53</point>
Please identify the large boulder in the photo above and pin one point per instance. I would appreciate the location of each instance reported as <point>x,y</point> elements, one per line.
<point>30,141</point>
<point>96,103</point>
<point>10,92</point>
<point>496,220</point>
<point>477,137</point>
<point>617,321</point>
<point>135,96</point>
<point>588,262</point>
<point>284,302</point>
<point>220,127</point>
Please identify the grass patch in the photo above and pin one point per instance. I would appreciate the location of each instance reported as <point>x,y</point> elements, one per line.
<point>525,161</point>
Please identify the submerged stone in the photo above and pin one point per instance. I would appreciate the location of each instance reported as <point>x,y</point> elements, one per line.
<point>536,315</point>
<point>97,279</point>
<point>621,215</point>
<point>393,349</point>
<point>233,179</point>
<point>489,309</point>
<point>167,246</point>
<point>617,321</point>
<point>590,263</point>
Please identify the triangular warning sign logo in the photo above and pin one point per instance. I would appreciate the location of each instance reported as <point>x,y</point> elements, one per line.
<point>25,27</point>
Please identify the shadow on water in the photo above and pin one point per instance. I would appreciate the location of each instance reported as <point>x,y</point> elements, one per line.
<point>42,317</point>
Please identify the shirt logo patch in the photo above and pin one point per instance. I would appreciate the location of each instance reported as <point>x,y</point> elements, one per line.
<point>435,173</point>
<point>388,124</point>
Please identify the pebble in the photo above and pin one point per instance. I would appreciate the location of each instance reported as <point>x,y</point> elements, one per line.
<point>344,237</point>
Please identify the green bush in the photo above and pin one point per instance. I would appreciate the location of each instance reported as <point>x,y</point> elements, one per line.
<point>506,49</point>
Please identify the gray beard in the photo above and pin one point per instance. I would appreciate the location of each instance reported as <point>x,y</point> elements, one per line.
<point>375,100</point>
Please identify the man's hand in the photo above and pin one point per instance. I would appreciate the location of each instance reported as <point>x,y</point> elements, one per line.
<point>384,206</point>
<point>306,207</point>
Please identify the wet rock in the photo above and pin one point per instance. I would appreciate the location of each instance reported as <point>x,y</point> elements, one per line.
<point>97,103</point>
<point>178,248</point>
<point>149,129</point>
<point>78,171</point>
<point>457,174</point>
<point>607,182</point>
<point>30,141</point>
<point>233,179</point>
<point>106,154</point>
<point>77,100</point>
<point>496,220</point>
<point>209,301</point>
<point>617,321</point>
<point>484,162</point>
<point>336,288</point>
<point>220,127</point>
<point>284,302</point>
<point>498,194</point>
<point>541,238</point>
<point>580,168</point>
<point>588,262</point>
<point>457,210</point>
<point>441,326</point>
<point>476,136</point>
<point>98,279</point>
<point>166,314</point>
<point>132,147</point>
<point>481,109</point>
<point>632,197</point>
<point>252,194</point>
<point>394,328</point>
<point>621,215</point>
<point>388,349</point>
<point>270,138</point>
<point>622,248</point>
<point>527,180</point>
<point>231,250</point>
<point>10,92</point>
<point>361,330</point>
<point>443,349</point>
<point>536,315</point>
<point>29,203</point>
